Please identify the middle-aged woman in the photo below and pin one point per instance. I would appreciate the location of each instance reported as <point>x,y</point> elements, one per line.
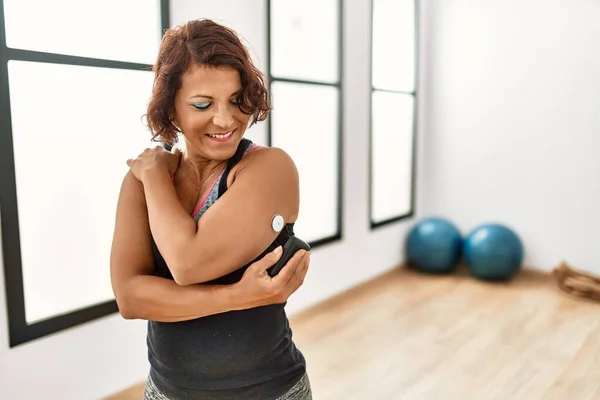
<point>202,219</point>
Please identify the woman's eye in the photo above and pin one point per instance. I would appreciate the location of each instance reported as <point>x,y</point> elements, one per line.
<point>201,106</point>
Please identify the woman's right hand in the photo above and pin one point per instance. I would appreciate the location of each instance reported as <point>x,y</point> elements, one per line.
<point>257,288</point>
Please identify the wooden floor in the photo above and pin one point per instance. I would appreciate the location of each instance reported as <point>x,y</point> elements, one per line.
<point>411,336</point>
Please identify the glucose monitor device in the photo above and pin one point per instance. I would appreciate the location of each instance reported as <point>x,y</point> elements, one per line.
<point>277,223</point>
<point>291,246</point>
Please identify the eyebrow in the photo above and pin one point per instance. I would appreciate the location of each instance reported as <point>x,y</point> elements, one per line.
<point>212,98</point>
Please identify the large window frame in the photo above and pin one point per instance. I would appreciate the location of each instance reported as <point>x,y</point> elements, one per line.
<point>340,128</point>
<point>415,96</point>
<point>20,331</point>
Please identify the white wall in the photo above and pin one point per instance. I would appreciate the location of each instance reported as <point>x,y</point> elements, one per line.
<point>512,112</point>
<point>105,356</point>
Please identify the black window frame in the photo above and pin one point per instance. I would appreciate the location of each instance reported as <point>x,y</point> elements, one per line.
<point>20,331</point>
<point>415,94</point>
<point>339,85</point>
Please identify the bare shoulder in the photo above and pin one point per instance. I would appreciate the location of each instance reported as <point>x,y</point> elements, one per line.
<point>268,178</point>
<point>273,156</point>
<point>269,162</point>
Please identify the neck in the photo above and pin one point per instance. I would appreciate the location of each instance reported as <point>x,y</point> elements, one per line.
<point>201,169</point>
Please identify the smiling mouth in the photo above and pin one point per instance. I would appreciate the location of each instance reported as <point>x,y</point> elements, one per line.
<point>221,136</point>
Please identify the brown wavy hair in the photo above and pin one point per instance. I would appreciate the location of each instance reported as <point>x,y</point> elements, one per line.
<point>201,42</point>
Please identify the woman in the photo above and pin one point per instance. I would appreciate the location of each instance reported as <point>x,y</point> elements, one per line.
<point>217,326</point>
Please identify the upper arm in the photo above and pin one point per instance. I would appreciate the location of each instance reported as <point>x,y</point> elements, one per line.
<point>237,228</point>
<point>131,252</point>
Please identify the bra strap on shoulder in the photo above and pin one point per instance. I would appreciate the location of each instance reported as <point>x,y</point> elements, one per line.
<point>239,153</point>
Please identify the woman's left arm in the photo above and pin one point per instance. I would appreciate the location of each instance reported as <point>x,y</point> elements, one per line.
<point>234,230</point>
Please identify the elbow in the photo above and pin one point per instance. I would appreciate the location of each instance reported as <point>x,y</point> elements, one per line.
<point>181,276</point>
<point>125,311</point>
<point>185,274</point>
<point>187,267</point>
<point>127,307</point>
<point>128,314</point>
<point>179,269</point>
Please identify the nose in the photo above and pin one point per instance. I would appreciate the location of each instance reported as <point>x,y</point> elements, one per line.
<point>223,118</point>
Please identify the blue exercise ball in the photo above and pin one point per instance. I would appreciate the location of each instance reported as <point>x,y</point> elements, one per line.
<point>433,245</point>
<point>493,252</point>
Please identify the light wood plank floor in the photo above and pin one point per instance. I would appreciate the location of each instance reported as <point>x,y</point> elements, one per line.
<point>411,336</point>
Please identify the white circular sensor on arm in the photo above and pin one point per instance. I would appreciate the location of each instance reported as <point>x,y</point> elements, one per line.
<point>277,223</point>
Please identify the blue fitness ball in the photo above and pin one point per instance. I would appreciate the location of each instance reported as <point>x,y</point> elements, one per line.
<point>493,252</point>
<point>433,245</point>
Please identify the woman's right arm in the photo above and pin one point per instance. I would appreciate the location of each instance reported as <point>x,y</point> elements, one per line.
<point>140,295</point>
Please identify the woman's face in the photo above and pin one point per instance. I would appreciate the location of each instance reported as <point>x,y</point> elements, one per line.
<point>207,113</point>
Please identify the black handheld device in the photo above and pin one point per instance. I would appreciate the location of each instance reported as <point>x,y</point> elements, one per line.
<point>290,248</point>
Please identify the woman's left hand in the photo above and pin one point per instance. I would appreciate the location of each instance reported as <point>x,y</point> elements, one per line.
<point>154,159</point>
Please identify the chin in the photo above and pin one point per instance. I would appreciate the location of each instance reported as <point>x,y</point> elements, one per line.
<point>223,146</point>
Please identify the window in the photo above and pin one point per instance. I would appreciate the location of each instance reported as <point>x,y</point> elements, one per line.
<point>305,72</point>
<point>393,110</point>
<point>71,117</point>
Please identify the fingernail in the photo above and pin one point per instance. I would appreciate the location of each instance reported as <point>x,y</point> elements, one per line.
<point>278,250</point>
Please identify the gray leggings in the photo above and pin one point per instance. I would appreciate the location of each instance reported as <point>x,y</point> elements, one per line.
<point>300,391</point>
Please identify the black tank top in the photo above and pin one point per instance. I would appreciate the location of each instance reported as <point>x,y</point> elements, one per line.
<point>242,355</point>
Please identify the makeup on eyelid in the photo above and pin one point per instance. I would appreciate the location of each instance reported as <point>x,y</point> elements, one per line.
<point>205,106</point>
